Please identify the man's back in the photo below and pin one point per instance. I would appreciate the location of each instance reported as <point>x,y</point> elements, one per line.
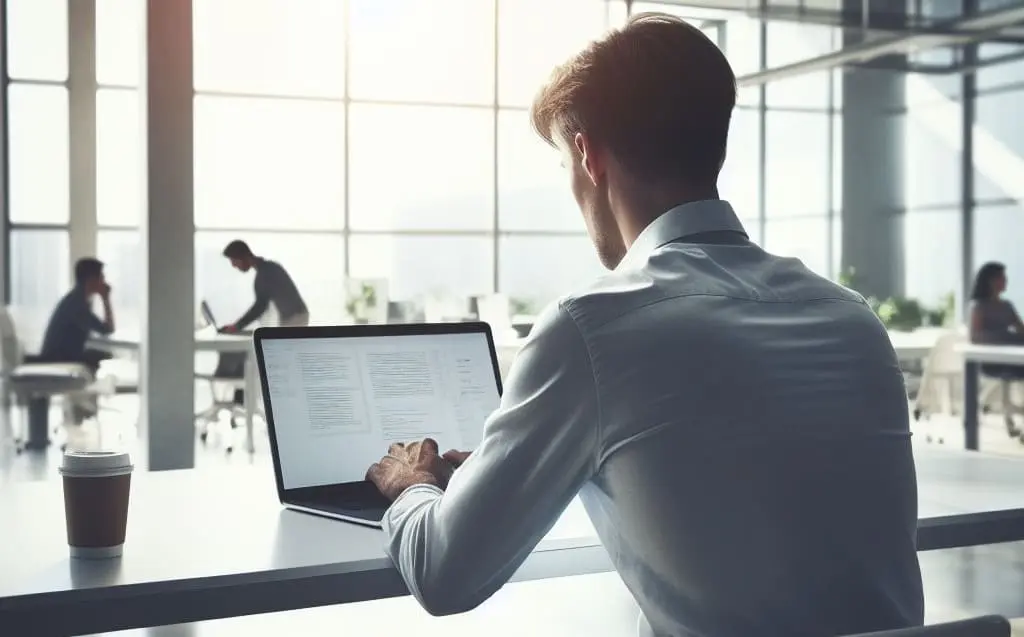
<point>274,282</point>
<point>755,475</point>
<point>69,328</point>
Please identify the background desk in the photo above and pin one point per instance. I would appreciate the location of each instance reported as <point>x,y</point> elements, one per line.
<point>206,341</point>
<point>974,356</point>
<point>208,545</point>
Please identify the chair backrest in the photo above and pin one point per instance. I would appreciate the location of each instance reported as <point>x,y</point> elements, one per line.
<point>941,389</point>
<point>10,347</point>
<point>944,359</point>
<point>987,626</point>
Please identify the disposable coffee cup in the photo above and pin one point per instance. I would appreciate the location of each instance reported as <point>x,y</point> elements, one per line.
<point>96,488</point>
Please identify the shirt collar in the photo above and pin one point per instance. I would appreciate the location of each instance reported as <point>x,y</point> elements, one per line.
<point>708,215</point>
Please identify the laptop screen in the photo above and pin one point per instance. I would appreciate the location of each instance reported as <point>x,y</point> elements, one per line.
<point>338,402</point>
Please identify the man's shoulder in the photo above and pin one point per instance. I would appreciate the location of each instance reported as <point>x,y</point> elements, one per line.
<point>72,302</point>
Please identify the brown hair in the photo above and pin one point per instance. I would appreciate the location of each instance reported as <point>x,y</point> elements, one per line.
<point>657,93</point>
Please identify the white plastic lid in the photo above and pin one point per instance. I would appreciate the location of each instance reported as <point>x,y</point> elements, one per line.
<point>96,464</point>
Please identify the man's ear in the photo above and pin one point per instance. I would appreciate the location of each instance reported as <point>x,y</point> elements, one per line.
<point>590,159</point>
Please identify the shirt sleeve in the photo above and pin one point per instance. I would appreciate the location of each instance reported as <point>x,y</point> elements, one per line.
<point>259,306</point>
<point>93,323</point>
<point>457,548</point>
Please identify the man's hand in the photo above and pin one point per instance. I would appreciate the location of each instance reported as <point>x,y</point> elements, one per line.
<point>407,465</point>
<point>456,458</point>
<point>105,291</point>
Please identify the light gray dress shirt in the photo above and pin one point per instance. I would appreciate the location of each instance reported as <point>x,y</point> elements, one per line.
<point>736,427</point>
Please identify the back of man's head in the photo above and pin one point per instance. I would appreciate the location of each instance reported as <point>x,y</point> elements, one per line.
<point>658,94</point>
<point>238,249</point>
<point>87,269</point>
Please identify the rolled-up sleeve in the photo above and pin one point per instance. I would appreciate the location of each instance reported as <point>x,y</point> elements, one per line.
<point>456,548</point>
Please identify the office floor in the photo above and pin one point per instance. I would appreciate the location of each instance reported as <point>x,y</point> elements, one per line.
<point>958,583</point>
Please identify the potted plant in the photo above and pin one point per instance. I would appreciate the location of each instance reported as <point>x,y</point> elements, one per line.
<point>359,305</point>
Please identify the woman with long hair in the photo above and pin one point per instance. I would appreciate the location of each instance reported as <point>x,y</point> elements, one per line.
<point>994,321</point>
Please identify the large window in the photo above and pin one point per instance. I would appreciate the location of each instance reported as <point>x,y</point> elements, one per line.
<point>797,174</point>
<point>269,163</point>
<point>37,40</point>
<point>529,45</point>
<point>533,188</point>
<point>384,138</point>
<point>119,158</point>
<point>270,47</point>
<point>806,238</point>
<point>40,276</point>
<point>415,51</point>
<point>927,234</point>
<point>38,122</point>
<point>419,266</point>
<point>121,253</point>
<point>537,269</point>
<point>119,42</point>
<point>931,167</point>
<point>790,42</point>
<point>421,168</point>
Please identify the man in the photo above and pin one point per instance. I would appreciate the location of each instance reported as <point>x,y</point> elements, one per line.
<point>71,324</point>
<point>73,320</point>
<point>735,425</point>
<point>272,285</point>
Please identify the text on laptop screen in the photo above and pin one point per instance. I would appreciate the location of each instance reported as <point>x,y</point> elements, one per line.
<point>338,403</point>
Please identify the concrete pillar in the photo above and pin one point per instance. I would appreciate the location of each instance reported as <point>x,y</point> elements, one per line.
<point>82,140</point>
<point>167,235</point>
<point>872,177</point>
<point>873,135</point>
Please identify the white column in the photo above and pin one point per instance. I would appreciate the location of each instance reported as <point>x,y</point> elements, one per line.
<point>82,141</point>
<point>167,236</point>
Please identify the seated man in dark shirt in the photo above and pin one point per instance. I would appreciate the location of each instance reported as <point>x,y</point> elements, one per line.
<point>73,320</point>
<point>272,285</point>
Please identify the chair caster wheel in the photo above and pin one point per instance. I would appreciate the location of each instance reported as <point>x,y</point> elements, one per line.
<point>228,450</point>
<point>202,437</point>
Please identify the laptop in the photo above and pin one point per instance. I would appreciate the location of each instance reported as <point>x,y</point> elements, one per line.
<point>207,313</point>
<point>336,397</point>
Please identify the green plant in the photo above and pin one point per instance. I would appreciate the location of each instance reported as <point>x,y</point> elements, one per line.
<point>943,314</point>
<point>848,278</point>
<point>520,306</point>
<point>898,313</point>
<point>357,305</point>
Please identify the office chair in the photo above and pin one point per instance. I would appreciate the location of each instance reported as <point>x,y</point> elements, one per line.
<point>29,384</point>
<point>224,381</point>
<point>987,626</point>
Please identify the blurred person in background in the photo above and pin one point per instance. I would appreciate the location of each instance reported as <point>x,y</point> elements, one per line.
<point>272,284</point>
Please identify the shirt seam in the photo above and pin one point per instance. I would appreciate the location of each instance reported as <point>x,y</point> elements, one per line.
<point>599,430</point>
<point>732,298</point>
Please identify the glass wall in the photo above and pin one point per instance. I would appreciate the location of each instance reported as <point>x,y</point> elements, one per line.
<point>383,138</point>
<point>999,169</point>
<point>38,160</point>
<point>802,140</point>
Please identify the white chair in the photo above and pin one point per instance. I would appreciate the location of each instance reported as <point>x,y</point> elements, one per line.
<point>23,382</point>
<point>942,383</point>
<point>226,377</point>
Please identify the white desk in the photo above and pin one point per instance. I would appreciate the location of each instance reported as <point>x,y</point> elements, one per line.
<point>916,345</point>
<point>974,356</point>
<point>205,341</point>
<point>208,545</point>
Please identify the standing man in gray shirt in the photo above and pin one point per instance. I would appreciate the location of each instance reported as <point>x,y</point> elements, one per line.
<point>272,285</point>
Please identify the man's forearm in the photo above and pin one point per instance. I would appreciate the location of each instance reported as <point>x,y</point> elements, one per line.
<point>108,313</point>
<point>253,313</point>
